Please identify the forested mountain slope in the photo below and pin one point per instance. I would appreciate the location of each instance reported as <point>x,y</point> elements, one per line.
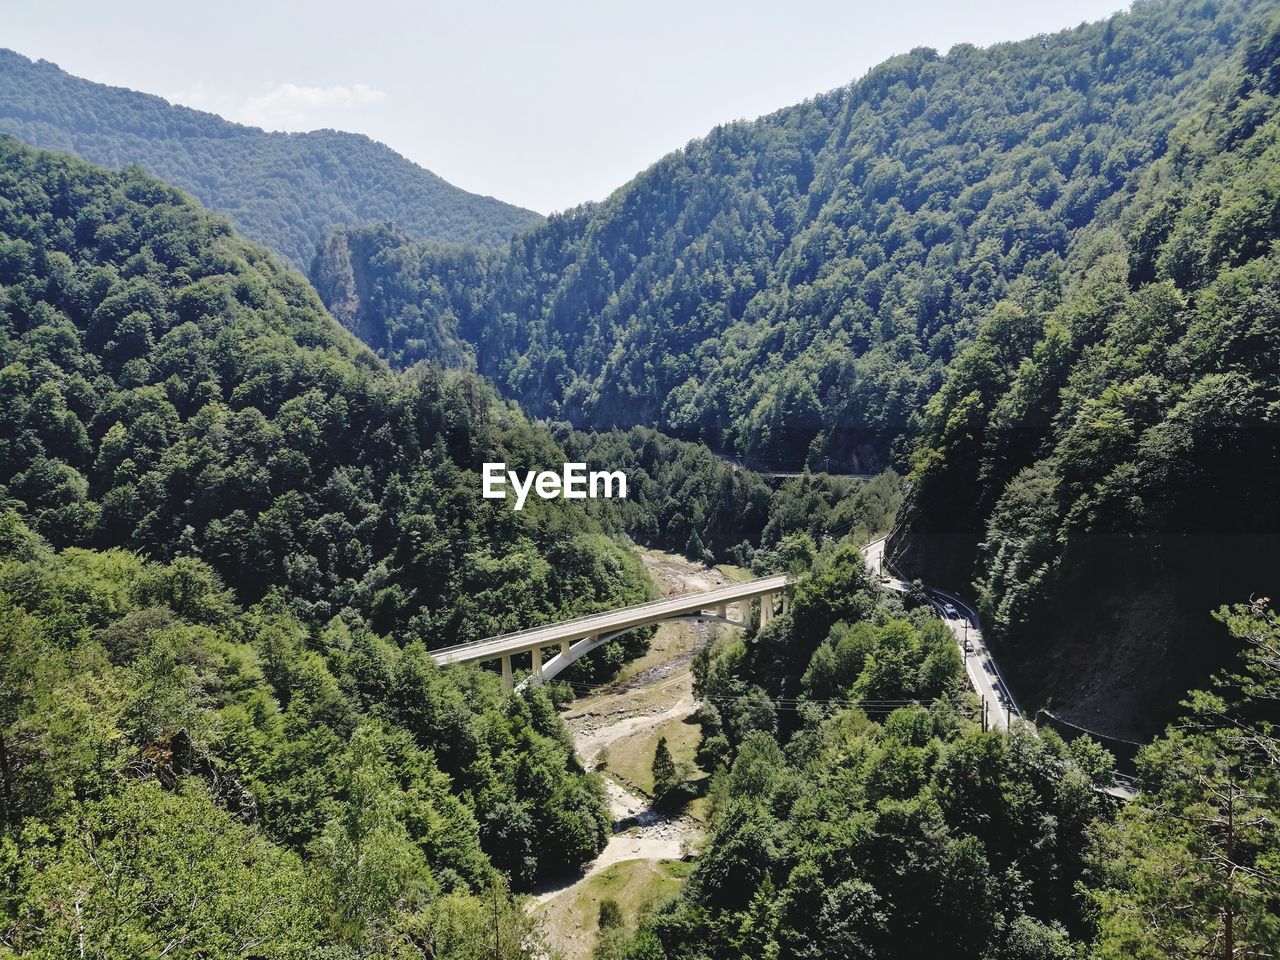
<point>682,497</point>
<point>868,814</point>
<point>859,809</point>
<point>169,388</point>
<point>1112,463</point>
<point>185,778</point>
<point>215,506</point>
<point>798,284</point>
<point>284,190</point>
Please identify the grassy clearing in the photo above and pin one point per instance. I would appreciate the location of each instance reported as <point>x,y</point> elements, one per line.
<point>638,887</point>
<point>632,757</point>
<point>735,573</point>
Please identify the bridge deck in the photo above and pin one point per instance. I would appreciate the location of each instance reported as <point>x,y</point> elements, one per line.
<point>610,621</point>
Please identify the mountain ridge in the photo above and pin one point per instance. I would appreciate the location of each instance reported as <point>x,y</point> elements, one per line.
<point>871,270</point>
<point>283,189</point>
<point>848,245</point>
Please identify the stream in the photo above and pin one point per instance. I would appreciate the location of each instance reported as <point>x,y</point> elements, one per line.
<point>620,723</point>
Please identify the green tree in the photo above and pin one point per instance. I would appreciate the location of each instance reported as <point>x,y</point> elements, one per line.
<point>149,873</point>
<point>1191,867</point>
<point>609,915</point>
<point>666,779</point>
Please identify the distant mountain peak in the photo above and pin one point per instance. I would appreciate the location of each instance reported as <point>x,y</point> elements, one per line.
<point>286,190</point>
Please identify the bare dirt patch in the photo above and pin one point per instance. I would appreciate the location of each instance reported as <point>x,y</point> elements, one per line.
<point>652,697</point>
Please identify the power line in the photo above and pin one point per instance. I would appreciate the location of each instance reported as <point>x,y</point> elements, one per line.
<point>795,704</point>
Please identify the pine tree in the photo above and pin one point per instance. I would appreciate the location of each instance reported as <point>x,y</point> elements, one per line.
<point>665,777</point>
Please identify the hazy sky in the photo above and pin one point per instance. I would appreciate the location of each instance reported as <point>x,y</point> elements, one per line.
<point>545,103</point>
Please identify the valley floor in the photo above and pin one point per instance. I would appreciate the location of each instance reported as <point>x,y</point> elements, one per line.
<point>615,729</point>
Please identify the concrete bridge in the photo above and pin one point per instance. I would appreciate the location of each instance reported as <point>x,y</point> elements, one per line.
<point>573,638</point>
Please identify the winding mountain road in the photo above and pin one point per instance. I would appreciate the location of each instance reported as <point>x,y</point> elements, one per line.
<point>984,673</point>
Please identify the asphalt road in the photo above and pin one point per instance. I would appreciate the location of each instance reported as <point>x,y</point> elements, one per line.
<point>980,665</point>
<point>608,622</point>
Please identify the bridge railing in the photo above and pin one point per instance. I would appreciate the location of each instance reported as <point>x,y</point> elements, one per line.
<point>638,608</point>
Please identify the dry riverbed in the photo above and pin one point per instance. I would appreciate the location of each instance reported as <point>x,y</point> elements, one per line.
<point>619,724</point>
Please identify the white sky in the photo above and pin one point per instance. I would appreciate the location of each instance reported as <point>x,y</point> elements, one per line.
<point>545,103</point>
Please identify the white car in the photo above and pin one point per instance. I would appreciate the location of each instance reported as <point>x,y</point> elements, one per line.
<point>950,610</point>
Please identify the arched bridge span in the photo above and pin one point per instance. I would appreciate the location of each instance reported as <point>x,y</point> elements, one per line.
<point>573,638</point>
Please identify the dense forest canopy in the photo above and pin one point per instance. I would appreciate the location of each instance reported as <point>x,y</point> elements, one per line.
<point>229,536</point>
<point>285,190</point>
<point>169,388</point>
<point>859,809</point>
<point>184,777</point>
<point>1110,460</point>
<point>794,287</point>
<point>681,497</point>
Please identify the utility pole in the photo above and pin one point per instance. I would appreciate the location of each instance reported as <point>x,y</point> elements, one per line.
<point>985,706</point>
<point>497,928</point>
<point>1228,921</point>
<point>966,636</point>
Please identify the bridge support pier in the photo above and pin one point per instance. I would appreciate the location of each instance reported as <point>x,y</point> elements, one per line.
<point>579,635</point>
